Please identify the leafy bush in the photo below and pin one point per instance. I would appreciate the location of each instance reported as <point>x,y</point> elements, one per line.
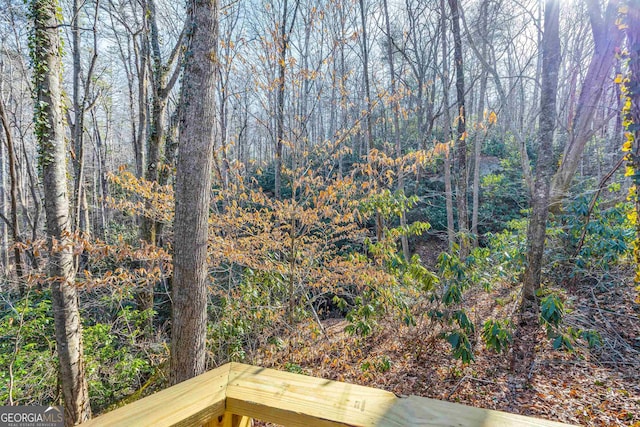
<point>117,363</point>
<point>460,345</point>
<point>552,311</point>
<point>242,315</point>
<point>506,255</point>
<point>592,242</point>
<point>497,334</point>
<point>27,346</point>
<point>503,199</point>
<point>455,277</point>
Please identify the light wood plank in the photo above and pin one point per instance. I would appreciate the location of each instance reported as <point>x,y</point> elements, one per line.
<point>244,422</point>
<point>423,412</point>
<point>299,400</point>
<point>234,394</point>
<point>190,403</point>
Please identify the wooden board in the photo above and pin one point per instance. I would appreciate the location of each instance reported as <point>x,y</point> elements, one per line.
<point>193,402</point>
<point>423,412</point>
<point>230,396</point>
<point>301,401</point>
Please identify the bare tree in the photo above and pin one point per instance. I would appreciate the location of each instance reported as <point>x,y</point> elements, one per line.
<point>162,84</point>
<point>193,187</point>
<point>607,37</point>
<point>368,132</point>
<point>461,142</point>
<point>479,139</point>
<point>49,130</point>
<point>163,78</point>
<point>544,168</point>
<point>448,190</point>
<point>13,194</point>
<point>4,222</point>
<point>396,123</point>
<point>285,27</point>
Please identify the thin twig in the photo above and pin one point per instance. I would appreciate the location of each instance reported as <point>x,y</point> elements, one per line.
<point>456,387</point>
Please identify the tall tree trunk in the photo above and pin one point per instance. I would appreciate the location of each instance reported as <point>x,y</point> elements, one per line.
<point>448,190</point>
<point>142,55</point>
<point>32,220</point>
<point>193,187</point>
<point>161,87</point>
<point>102,186</point>
<point>344,100</point>
<point>396,126</point>
<point>81,208</point>
<point>170,150</point>
<point>77,127</point>
<point>479,139</point>
<point>461,143</point>
<point>283,47</point>
<point>156,125</point>
<point>4,222</point>
<point>49,130</point>
<point>333,111</point>
<point>13,195</point>
<point>544,168</point>
<point>282,69</point>
<point>368,133</point>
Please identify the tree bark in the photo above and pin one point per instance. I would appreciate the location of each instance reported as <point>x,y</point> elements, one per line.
<point>461,143</point>
<point>49,130</point>
<point>283,47</point>
<point>544,168</point>
<point>102,189</point>
<point>4,222</point>
<point>143,92</point>
<point>396,127</point>
<point>13,195</point>
<point>282,73</point>
<point>156,129</point>
<point>81,219</point>
<point>368,133</point>
<point>479,139</point>
<point>193,187</point>
<point>448,190</point>
<point>77,128</point>
<point>161,87</point>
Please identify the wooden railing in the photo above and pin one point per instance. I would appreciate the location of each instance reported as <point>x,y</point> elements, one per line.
<point>234,394</point>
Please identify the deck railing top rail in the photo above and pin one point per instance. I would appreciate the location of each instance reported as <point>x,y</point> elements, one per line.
<point>234,393</point>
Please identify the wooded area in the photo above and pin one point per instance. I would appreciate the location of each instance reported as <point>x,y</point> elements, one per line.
<point>435,198</point>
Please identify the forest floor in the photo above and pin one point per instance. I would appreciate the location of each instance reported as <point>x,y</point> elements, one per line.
<point>594,388</point>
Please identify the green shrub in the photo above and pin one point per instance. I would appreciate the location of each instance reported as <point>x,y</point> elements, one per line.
<point>497,334</point>
<point>117,362</point>
<point>27,347</point>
